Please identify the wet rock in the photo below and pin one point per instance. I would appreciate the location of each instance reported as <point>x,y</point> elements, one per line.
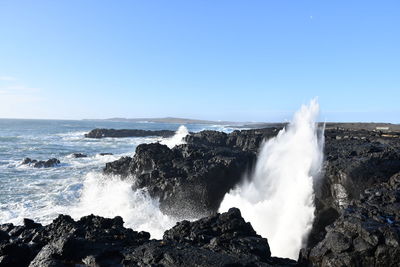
<point>367,233</point>
<point>78,155</point>
<point>4,237</point>
<point>28,161</point>
<point>102,133</point>
<point>188,179</point>
<point>41,164</point>
<point>192,179</point>
<point>105,154</point>
<point>220,240</point>
<point>351,166</point>
<point>227,232</point>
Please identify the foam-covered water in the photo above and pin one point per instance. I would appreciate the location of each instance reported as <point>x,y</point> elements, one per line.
<point>278,198</point>
<point>76,187</point>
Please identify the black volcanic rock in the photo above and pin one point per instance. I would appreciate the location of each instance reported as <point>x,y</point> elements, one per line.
<point>367,233</point>
<point>105,154</point>
<point>78,155</point>
<point>65,242</point>
<point>354,161</point>
<point>102,133</point>
<point>194,177</point>
<point>220,240</point>
<point>188,179</point>
<point>227,232</point>
<point>96,241</point>
<point>41,164</point>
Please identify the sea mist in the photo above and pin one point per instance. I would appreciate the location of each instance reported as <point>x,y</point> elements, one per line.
<point>278,198</point>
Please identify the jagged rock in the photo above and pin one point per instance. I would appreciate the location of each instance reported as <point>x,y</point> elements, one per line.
<point>220,240</point>
<point>227,232</point>
<point>184,178</point>
<point>192,178</point>
<point>66,242</point>
<point>354,162</point>
<point>367,233</point>
<point>41,164</point>
<point>102,133</point>
<point>188,179</point>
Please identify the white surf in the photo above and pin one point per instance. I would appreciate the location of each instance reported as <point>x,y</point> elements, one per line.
<point>278,199</point>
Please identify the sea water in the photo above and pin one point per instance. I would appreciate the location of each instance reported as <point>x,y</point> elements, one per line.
<point>77,186</point>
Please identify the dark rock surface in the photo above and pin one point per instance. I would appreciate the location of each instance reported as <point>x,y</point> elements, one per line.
<point>41,163</point>
<point>105,154</point>
<point>102,133</point>
<point>192,178</point>
<point>367,233</point>
<point>221,240</point>
<point>196,176</point>
<point>78,155</point>
<point>354,160</point>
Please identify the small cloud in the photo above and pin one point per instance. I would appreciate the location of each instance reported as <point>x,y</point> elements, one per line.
<point>19,88</point>
<point>311,17</point>
<point>7,78</point>
<point>14,92</point>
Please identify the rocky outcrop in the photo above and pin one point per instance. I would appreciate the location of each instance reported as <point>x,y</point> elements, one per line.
<point>367,233</point>
<point>102,133</point>
<point>192,178</point>
<point>53,162</point>
<point>225,233</point>
<point>187,179</point>
<point>196,176</point>
<point>354,161</point>
<point>221,240</point>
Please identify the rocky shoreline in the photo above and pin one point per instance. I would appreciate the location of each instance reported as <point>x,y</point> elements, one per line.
<point>357,162</point>
<point>357,208</point>
<point>103,133</point>
<point>219,240</point>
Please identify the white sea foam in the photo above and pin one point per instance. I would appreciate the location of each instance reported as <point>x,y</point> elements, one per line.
<point>73,136</point>
<point>109,196</point>
<point>178,138</point>
<point>278,199</point>
<point>98,194</point>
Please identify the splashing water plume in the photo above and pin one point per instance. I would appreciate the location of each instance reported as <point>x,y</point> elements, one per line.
<point>109,196</point>
<point>278,199</point>
<point>177,139</point>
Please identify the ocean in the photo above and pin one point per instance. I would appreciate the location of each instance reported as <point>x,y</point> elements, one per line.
<point>76,186</point>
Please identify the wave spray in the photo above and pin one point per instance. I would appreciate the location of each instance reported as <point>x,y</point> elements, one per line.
<point>278,199</point>
<point>178,137</point>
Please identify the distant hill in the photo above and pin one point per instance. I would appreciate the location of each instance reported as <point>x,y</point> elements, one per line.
<point>177,120</point>
<point>254,125</point>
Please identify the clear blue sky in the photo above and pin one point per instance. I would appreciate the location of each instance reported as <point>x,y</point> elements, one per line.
<point>220,60</point>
